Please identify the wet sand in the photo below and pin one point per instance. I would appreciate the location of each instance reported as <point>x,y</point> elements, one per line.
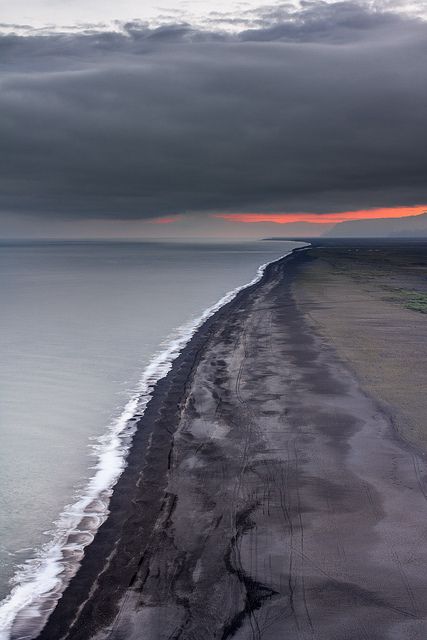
<point>268,495</point>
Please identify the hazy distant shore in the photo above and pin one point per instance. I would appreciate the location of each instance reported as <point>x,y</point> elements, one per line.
<point>267,493</point>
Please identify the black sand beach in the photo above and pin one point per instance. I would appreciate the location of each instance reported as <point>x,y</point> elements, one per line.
<point>268,493</point>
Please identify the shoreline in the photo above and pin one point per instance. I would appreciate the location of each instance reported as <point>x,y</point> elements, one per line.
<point>185,335</point>
<point>265,489</point>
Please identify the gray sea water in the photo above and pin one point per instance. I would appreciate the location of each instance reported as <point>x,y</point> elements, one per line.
<point>80,323</point>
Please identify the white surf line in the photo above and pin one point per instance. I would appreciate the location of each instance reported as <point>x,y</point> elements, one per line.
<point>40,581</point>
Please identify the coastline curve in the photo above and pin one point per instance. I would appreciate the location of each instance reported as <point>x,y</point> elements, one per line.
<point>40,582</point>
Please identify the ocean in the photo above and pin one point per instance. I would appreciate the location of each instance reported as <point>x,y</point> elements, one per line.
<point>86,329</point>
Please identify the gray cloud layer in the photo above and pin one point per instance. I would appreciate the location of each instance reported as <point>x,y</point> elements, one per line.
<point>320,111</point>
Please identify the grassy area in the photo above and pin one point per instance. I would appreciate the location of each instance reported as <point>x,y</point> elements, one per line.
<point>416,301</point>
<point>398,273</point>
<point>408,298</point>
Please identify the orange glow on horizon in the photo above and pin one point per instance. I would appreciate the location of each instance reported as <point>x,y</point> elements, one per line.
<point>165,219</point>
<point>325,218</point>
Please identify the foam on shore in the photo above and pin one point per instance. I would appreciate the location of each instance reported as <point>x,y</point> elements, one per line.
<point>40,581</point>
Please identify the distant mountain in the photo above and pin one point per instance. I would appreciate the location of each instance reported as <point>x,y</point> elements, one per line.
<point>409,227</point>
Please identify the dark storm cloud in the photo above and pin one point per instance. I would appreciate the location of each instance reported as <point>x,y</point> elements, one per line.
<point>318,110</point>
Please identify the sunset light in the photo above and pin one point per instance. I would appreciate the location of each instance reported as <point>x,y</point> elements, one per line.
<point>326,218</point>
<point>213,346</point>
<point>165,219</point>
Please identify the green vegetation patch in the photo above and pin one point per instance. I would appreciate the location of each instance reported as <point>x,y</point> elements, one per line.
<point>417,302</point>
<point>411,299</point>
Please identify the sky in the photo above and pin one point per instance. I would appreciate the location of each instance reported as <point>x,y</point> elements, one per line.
<point>57,13</point>
<point>230,15</point>
<point>175,119</point>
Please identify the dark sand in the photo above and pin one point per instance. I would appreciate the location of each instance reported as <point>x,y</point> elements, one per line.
<point>370,303</point>
<point>267,496</point>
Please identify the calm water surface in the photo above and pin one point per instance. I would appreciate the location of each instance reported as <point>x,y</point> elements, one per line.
<point>79,323</point>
